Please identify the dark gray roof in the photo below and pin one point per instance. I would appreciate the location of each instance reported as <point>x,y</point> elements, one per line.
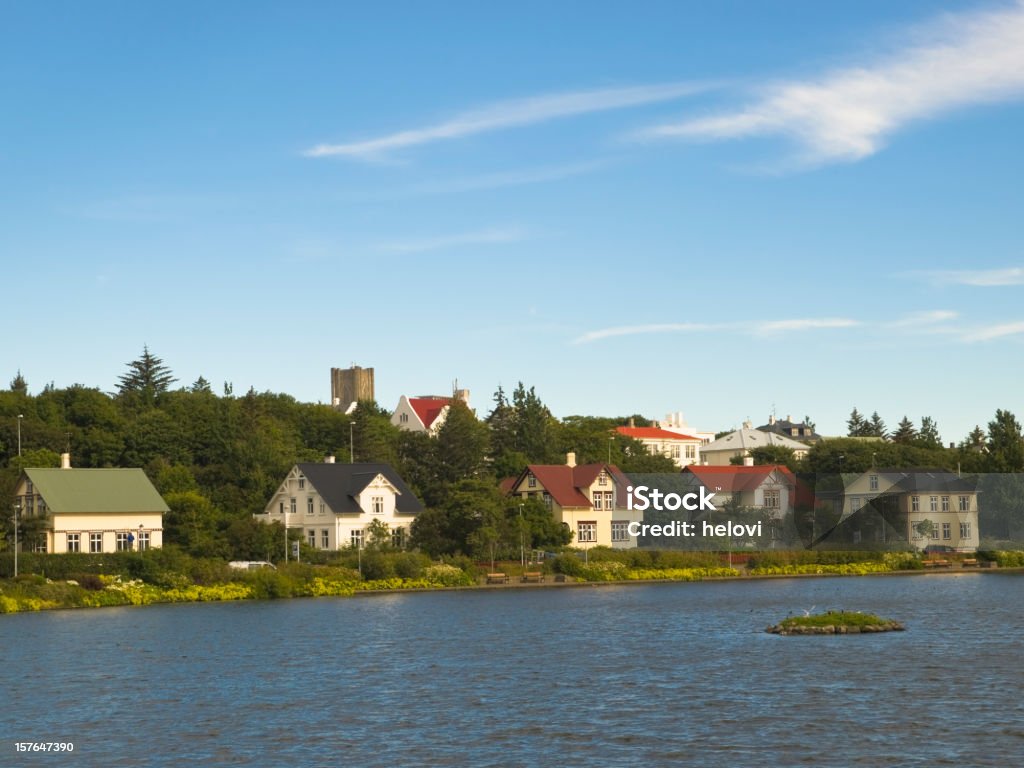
<point>788,428</point>
<point>339,484</point>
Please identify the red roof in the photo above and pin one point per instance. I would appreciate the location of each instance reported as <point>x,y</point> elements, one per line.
<point>564,482</point>
<point>653,433</point>
<point>429,408</point>
<point>731,479</point>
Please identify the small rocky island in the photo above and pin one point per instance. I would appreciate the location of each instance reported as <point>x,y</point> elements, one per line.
<point>835,623</point>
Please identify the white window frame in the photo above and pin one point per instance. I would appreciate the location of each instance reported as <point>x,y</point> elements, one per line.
<point>620,530</point>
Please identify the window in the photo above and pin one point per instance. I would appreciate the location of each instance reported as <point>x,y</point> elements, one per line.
<point>30,500</point>
<point>965,503</point>
<point>598,500</point>
<point>74,542</point>
<point>856,503</point>
<point>143,540</point>
<point>691,451</point>
<point>356,539</point>
<point>531,480</point>
<point>293,506</point>
<point>123,543</point>
<point>322,509</point>
<point>40,547</point>
<point>772,500</point>
<point>915,503</point>
<point>398,537</point>
<point>281,507</point>
<point>935,533</point>
<point>547,499</point>
<point>913,527</point>
<point>587,532</point>
<point>302,483</point>
<point>609,500</point>
<point>95,542</point>
<point>933,503</point>
<point>309,506</point>
<point>325,539</point>
<point>620,530</point>
<point>378,505</point>
<point>674,451</point>
<point>945,503</point>
<point>946,531</point>
<point>404,418</point>
<point>602,479</point>
<point>311,535</point>
<point>873,482</point>
<point>965,530</point>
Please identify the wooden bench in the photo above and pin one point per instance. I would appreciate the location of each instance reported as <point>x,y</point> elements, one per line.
<point>969,562</point>
<point>534,576</point>
<point>938,564</point>
<point>497,578</point>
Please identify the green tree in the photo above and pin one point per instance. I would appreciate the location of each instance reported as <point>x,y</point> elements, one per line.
<point>18,384</point>
<point>856,425</point>
<point>876,427</point>
<point>928,435</point>
<point>1005,444</point>
<point>536,429</point>
<point>462,445</point>
<point>905,431</point>
<point>775,454</point>
<point>147,379</point>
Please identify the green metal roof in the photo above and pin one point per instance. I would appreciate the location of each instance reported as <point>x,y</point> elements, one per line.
<point>96,490</point>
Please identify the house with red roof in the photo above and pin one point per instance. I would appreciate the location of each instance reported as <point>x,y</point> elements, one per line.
<point>589,499</point>
<point>426,413</point>
<point>682,449</point>
<point>769,487</point>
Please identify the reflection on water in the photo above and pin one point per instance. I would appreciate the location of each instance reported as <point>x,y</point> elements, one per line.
<point>632,675</point>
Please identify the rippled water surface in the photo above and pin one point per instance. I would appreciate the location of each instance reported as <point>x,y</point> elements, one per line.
<point>653,675</point>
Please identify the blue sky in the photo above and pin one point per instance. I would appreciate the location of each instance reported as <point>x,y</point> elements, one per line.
<point>718,208</point>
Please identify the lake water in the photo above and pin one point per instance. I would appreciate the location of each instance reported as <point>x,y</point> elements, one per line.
<point>651,675</point>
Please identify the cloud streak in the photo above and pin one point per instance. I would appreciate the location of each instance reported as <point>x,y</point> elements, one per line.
<point>758,328</point>
<point>482,237</point>
<point>511,114</point>
<point>980,278</point>
<point>849,114</point>
<point>994,332</point>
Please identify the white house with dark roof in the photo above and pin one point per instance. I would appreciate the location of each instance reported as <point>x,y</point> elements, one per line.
<point>334,503</point>
<point>741,442</point>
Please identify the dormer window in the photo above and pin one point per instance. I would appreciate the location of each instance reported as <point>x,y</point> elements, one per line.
<point>531,480</point>
<point>302,483</point>
<point>602,479</point>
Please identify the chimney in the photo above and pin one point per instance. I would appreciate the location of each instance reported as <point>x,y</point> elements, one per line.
<point>328,459</point>
<point>65,461</point>
<point>789,417</point>
<point>771,419</point>
<point>748,424</point>
<point>570,459</point>
<point>748,461</point>
<point>632,422</point>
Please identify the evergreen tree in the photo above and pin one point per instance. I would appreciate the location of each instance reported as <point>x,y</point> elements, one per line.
<point>905,431</point>
<point>856,425</point>
<point>200,385</point>
<point>19,385</point>
<point>976,439</point>
<point>1005,444</point>
<point>462,445</point>
<point>929,433</point>
<point>147,378</point>
<point>876,427</point>
<point>536,428</point>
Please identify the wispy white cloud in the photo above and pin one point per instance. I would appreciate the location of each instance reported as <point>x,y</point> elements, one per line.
<point>436,243</point>
<point>802,324</point>
<point>847,115</point>
<point>514,178</point>
<point>925,319</point>
<point>510,114</point>
<point>982,278</point>
<point>758,328</point>
<point>636,330</point>
<point>988,333</point>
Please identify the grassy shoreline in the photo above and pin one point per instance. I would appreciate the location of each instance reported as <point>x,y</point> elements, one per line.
<point>30,594</point>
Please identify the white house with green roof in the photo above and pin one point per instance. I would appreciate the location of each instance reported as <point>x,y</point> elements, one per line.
<point>92,510</point>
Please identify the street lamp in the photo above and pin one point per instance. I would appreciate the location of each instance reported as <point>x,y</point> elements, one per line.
<point>17,509</point>
<point>610,440</point>
<point>351,443</point>
<point>20,417</point>
<point>140,537</point>
<point>522,541</point>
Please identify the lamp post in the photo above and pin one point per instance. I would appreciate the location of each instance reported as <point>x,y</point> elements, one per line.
<point>20,417</point>
<point>522,541</point>
<point>351,443</point>
<point>17,509</point>
<point>610,440</point>
<point>284,510</point>
<point>140,536</point>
